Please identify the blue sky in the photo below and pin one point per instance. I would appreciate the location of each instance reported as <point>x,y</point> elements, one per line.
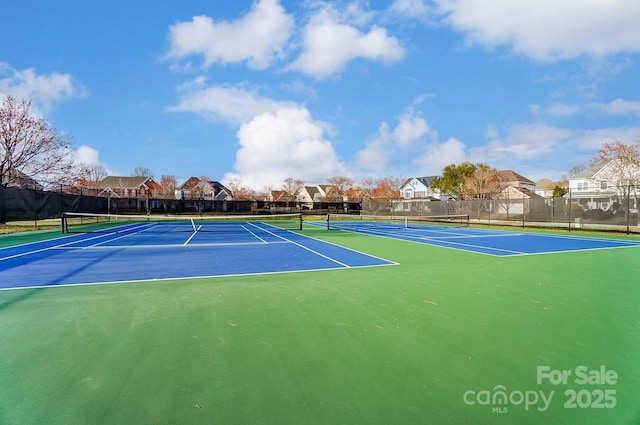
<point>259,91</point>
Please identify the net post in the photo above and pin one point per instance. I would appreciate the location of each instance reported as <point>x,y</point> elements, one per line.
<point>301,220</point>
<point>63,222</point>
<point>328,224</point>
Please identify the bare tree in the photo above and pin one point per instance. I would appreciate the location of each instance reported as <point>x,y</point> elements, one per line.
<point>239,192</point>
<point>339,185</point>
<point>388,188</point>
<point>483,182</point>
<point>293,188</point>
<point>576,169</point>
<point>366,187</point>
<point>622,169</point>
<point>90,174</point>
<point>142,172</point>
<point>30,145</point>
<point>168,185</point>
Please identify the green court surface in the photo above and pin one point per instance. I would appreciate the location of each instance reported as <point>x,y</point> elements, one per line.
<point>444,337</point>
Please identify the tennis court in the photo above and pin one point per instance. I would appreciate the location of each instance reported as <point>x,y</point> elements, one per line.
<point>454,232</point>
<point>441,335</point>
<point>125,249</point>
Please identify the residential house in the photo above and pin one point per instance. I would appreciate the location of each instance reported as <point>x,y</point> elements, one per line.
<point>545,188</point>
<point>200,194</point>
<point>600,186</point>
<point>517,193</point>
<point>16,178</point>
<point>128,187</point>
<point>310,197</point>
<point>195,188</point>
<point>141,190</point>
<point>420,188</point>
<point>511,178</point>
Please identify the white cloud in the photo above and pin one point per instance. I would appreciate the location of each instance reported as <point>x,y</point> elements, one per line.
<point>548,29</point>
<point>44,90</point>
<point>415,9</point>
<point>329,44</point>
<point>87,155</point>
<point>614,107</point>
<point>282,144</point>
<point>257,38</point>
<point>522,142</point>
<point>409,138</point>
<point>412,128</point>
<point>618,107</point>
<point>556,110</point>
<point>377,153</point>
<point>440,154</point>
<point>224,103</point>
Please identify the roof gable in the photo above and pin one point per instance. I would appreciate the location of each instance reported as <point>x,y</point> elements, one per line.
<point>588,172</point>
<point>512,176</point>
<point>121,182</point>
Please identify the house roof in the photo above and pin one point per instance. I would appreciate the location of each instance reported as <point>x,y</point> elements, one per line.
<point>280,195</point>
<point>545,184</point>
<point>525,191</point>
<point>121,182</point>
<point>424,180</point>
<point>189,184</point>
<point>512,176</point>
<point>312,190</point>
<point>17,178</point>
<point>588,172</point>
<point>193,182</point>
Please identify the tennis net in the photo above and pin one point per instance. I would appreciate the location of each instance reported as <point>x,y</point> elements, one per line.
<point>346,221</point>
<point>92,223</point>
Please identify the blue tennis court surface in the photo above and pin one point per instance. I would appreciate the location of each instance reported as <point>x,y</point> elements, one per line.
<point>501,243</point>
<point>134,253</point>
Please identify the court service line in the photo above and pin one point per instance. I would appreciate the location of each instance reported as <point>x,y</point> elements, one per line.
<point>253,234</point>
<point>192,235</point>
<point>302,246</point>
<point>130,232</point>
<point>434,242</point>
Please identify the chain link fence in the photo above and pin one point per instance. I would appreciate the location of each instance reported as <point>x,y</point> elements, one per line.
<point>615,210</point>
<point>39,207</point>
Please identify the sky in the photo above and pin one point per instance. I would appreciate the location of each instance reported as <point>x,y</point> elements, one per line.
<point>260,91</point>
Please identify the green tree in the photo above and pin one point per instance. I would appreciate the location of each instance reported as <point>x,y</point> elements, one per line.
<point>454,179</point>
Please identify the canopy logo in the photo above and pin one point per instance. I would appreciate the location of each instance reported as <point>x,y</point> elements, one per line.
<point>595,391</point>
<point>499,399</point>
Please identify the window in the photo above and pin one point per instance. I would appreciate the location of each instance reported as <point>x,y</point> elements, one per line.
<point>603,185</point>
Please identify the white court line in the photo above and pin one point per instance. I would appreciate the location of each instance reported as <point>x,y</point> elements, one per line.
<point>192,235</point>
<point>22,254</point>
<point>167,279</point>
<point>340,246</point>
<point>425,241</point>
<point>165,246</point>
<point>301,246</point>
<point>253,234</point>
<point>442,243</point>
